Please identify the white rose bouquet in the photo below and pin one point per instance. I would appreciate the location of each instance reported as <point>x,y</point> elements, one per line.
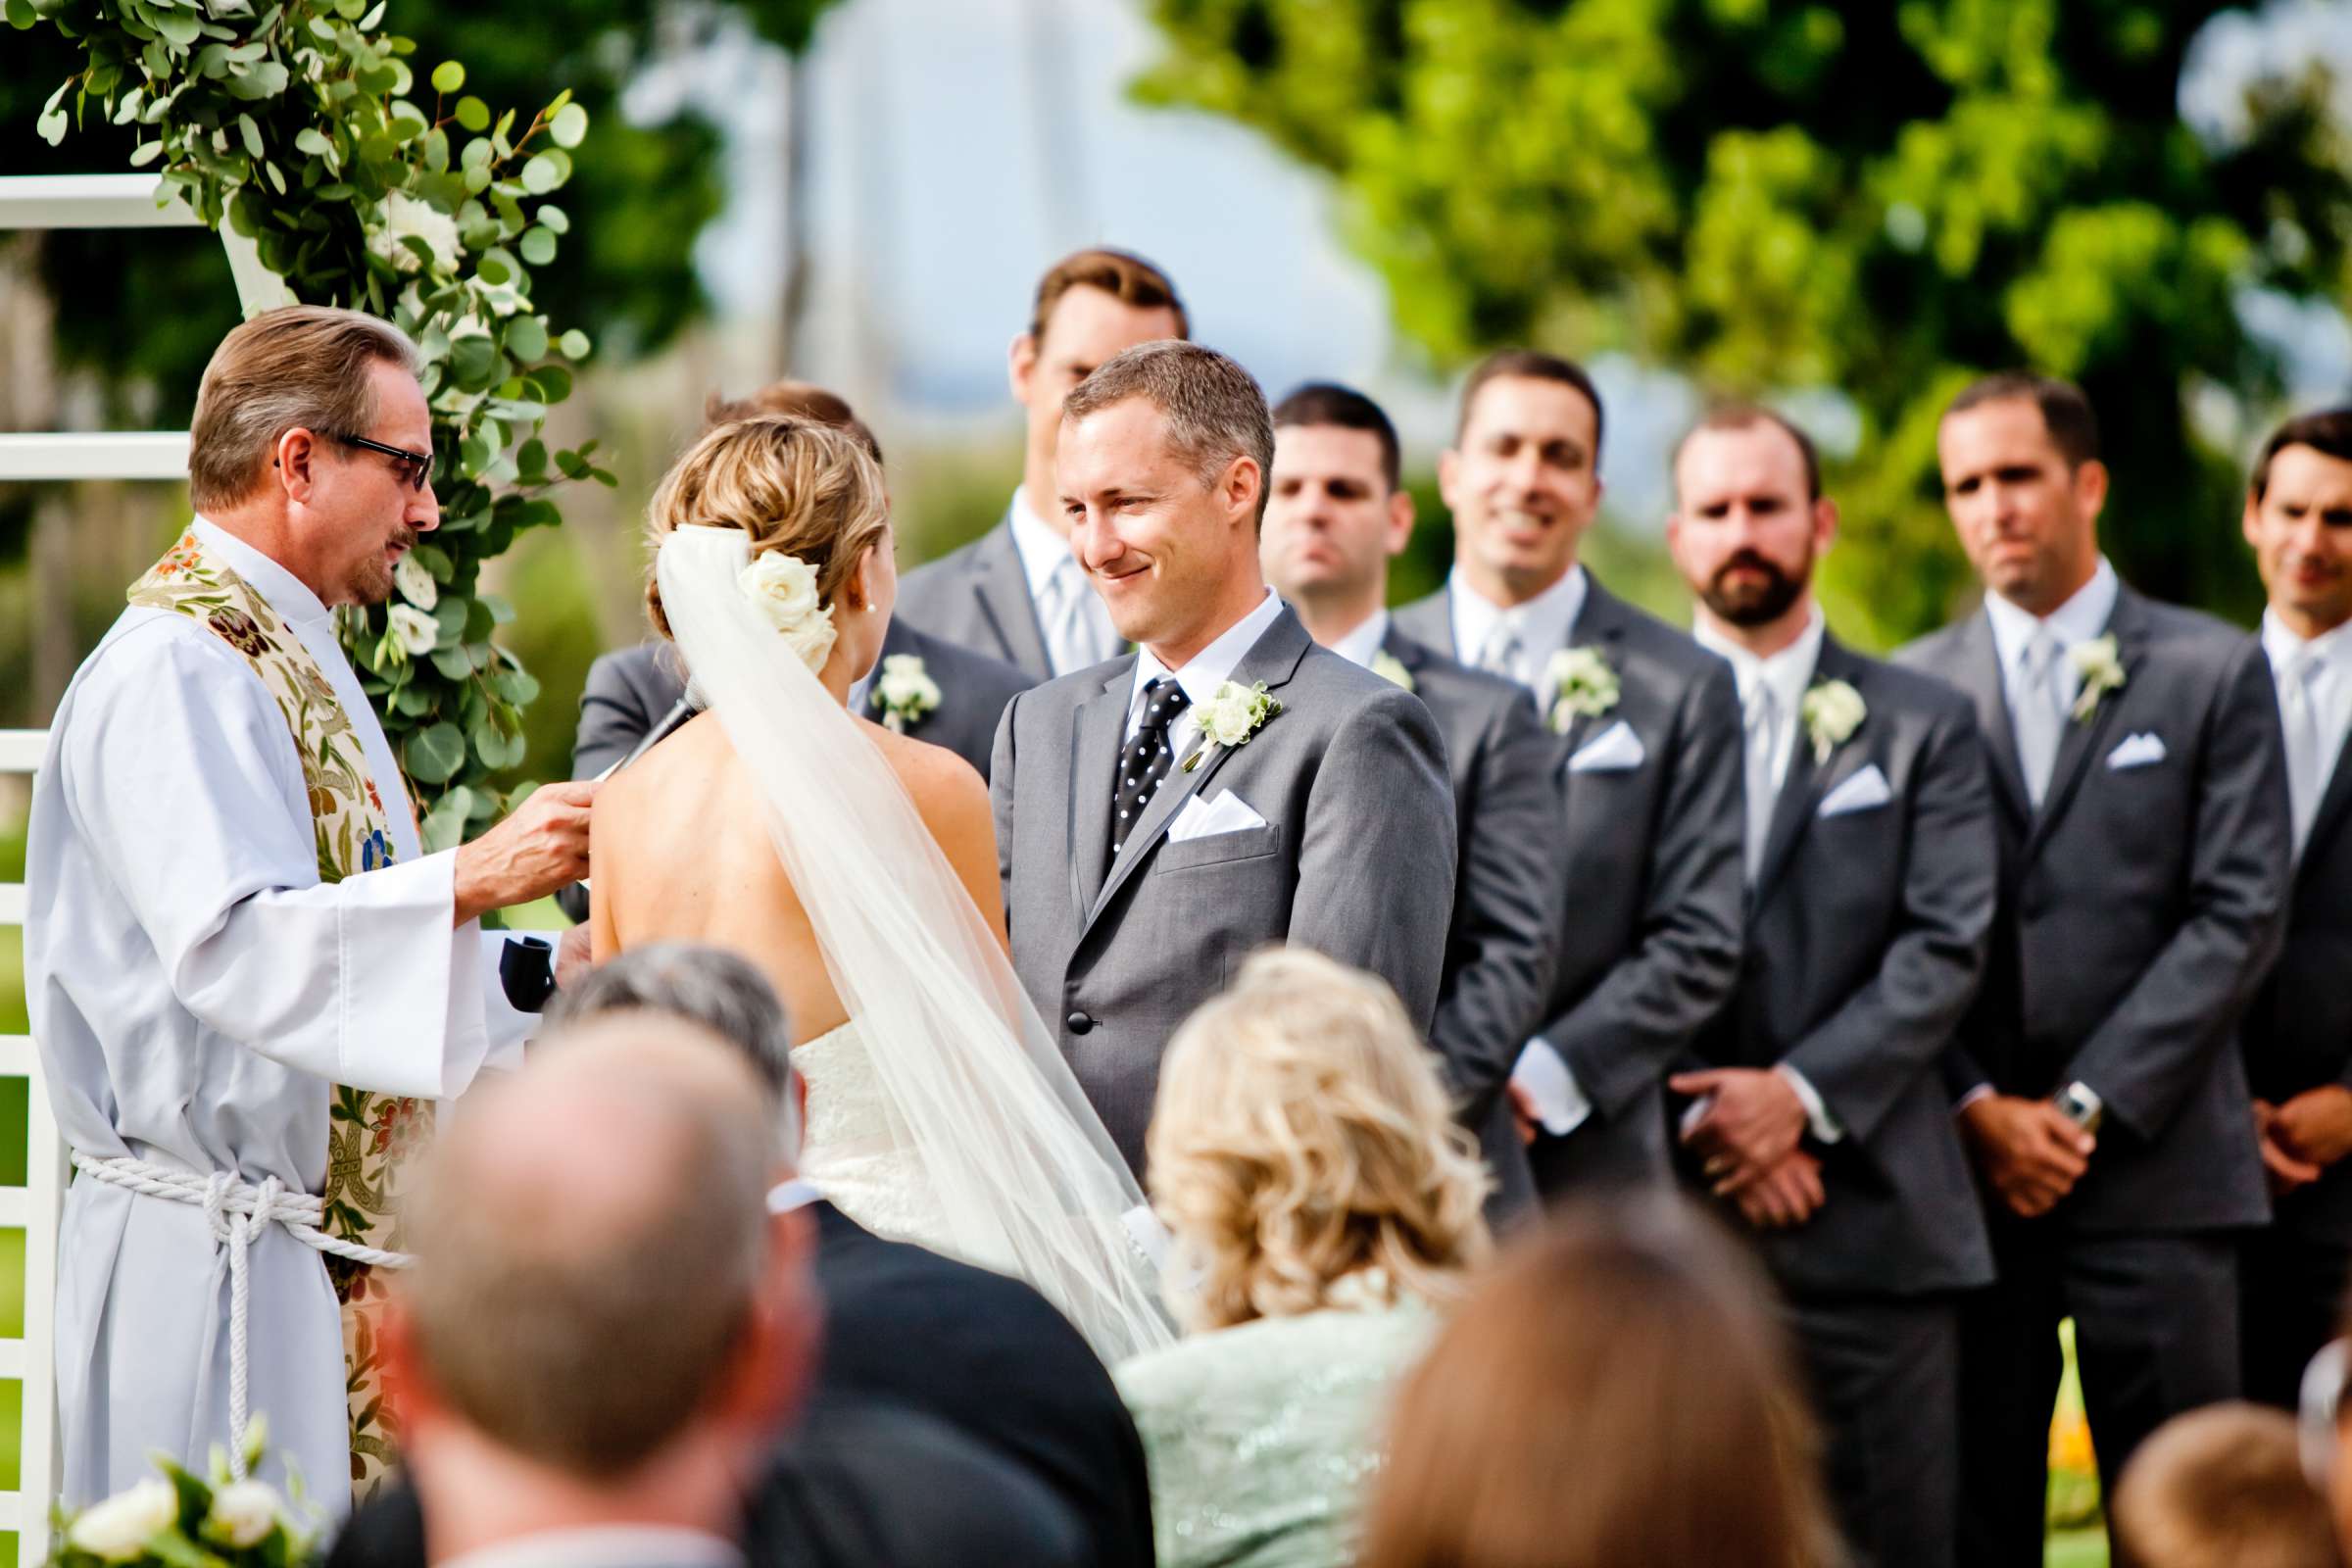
<point>783,589</point>
<point>181,1520</point>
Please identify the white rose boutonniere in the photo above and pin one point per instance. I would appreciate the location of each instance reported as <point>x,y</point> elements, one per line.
<point>2099,669</point>
<point>1232,714</point>
<point>1582,686</point>
<point>1389,668</point>
<point>783,589</point>
<point>905,692</point>
<point>1832,712</point>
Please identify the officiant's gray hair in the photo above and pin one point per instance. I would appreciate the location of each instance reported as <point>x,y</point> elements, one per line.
<point>302,367</point>
<point>1216,411</point>
<point>722,991</point>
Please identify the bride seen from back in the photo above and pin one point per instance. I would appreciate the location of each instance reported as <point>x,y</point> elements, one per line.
<point>857,869</point>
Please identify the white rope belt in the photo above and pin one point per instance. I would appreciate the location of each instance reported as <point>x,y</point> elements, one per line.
<point>236,1209</point>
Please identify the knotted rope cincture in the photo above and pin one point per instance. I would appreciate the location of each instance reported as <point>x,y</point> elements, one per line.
<point>235,1209</point>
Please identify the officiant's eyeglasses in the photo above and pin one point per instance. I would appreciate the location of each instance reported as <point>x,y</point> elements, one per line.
<point>418,466</point>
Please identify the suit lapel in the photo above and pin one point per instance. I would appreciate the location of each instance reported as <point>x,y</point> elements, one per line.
<point>1977,670</point>
<point>1807,781</point>
<point>1097,730</point>
<point>2082,737</point>
<point>1001,585</point>
<point>2335,804</point>
<point>1429,622</point>
<point>1273,658</point>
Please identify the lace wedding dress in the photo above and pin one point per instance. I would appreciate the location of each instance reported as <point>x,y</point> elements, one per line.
<point>943,1111</point>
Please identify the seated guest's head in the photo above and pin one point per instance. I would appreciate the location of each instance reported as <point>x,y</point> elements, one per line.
<point>799,400</point>
<point>2222,1488</point>
<point>722,992</point>
<point>1302,1138</point>
<point>1615,1392</point>
<point>603,1329</point>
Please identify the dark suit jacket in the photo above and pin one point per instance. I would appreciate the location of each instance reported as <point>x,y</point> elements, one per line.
<point>2140,910</point>
<point>1650,929</point>
<point>1353,857</point>
<point>978,597</point>
<point>1866,935</point>
<point>1508,871</point>
<point>2299,1033</point>
<point>631,690</point>
<point>939,1382</point>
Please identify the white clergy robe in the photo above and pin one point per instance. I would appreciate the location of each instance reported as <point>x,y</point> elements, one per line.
<point>195,990</point>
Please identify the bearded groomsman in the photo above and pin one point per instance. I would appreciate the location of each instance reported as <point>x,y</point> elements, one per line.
<point>2298,1037</point>
<point>1228,784</point>
<point>1017,593</point>
<point>1821,1117</point>
<point>1336,518</point>
<point>2144,826</point>
<point>1647,759</point>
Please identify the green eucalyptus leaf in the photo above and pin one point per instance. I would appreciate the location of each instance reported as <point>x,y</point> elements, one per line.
<point>448,76</point>
<point>472,112</point>
<point>569,126</point>
<point>545,171</point>
<point>555,217</point>
<point>526,335</point>
<point>574,344</point>
<point>434,754</point>
<point>538,247</point>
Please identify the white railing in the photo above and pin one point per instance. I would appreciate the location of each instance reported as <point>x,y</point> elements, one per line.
<point>72,201</point>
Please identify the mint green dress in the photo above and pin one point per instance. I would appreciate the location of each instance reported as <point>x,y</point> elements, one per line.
<point>1261,1437</point>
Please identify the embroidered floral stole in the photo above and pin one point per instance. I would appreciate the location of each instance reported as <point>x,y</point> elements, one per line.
<point>369,1136</point>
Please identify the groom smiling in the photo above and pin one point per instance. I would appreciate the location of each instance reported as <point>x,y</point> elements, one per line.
<point>1229,784</point>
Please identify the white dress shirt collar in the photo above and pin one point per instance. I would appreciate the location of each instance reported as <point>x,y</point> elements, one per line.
<point>1042,550</point>
<point>1787,673</point>
<point>284,591</point>
<point>1362,645</point>
<point>2330,650</point>
<point>2081,619</point>
<point>1545,623</point>
<point>608,1546</point>
<point>1206,669</point>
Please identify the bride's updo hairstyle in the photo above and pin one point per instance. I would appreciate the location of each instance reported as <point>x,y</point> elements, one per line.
<point>1304,1152</point>
<point>799,488</point>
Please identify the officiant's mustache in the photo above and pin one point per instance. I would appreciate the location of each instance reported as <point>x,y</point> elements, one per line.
<point>1752,603</point>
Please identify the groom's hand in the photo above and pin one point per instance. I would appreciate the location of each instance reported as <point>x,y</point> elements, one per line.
<point>541,847</point>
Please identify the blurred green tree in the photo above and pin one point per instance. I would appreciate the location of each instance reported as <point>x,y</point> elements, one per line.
<point>1881,198</point>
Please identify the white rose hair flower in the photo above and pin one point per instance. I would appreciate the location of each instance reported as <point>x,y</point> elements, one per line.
<point>120,1528</point>
<point>783,589</point>
<point>416,632</point>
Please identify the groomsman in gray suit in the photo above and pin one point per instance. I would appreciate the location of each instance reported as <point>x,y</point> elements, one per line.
<point>1337,517</point>
<point>2298,1038</point>
<point>1647,759</point>
<point>2143,823</point>
<point>1229,784</point>
<point>1016,593</point>
<point>1820,1116</point>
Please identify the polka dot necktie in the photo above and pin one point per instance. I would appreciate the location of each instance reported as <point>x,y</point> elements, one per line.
<point>1146,758</point>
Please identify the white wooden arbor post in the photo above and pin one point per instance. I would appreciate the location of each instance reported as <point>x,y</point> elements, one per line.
<point>71,201</point>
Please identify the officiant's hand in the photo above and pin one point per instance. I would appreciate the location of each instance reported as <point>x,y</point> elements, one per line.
<point>541,847</point>
<point>1753,1122</point>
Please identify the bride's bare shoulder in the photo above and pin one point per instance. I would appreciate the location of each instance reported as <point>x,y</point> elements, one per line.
<point>946,789</point>
<point>649,786</point>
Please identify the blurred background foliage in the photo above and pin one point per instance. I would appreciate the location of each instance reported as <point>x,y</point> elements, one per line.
<point>1865,203</point>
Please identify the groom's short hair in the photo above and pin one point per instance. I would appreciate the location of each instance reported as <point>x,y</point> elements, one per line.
<point>302,367</point>
<point>1213,410</point>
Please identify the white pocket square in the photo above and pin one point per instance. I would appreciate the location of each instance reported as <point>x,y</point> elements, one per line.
<point>1200,820</point>
<point>1613,750</point>
<point>1861,792</point>
<point>2143,750</point>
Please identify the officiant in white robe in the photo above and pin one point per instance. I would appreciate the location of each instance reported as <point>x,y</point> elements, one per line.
<point>200,982</point>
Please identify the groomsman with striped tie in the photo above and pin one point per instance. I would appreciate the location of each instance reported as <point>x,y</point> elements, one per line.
<point>1648,759</point>
<point>2142,816</point>
<point>2298,1038</point>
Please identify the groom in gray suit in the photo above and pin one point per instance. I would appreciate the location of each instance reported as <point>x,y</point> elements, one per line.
<point>1820,1118</point>
<point>1647,759</point>
<point>2142,809</point>
<point>1227,785</point>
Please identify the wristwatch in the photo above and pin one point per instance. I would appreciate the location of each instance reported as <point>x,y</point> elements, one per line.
<point>526,969</point>
<point>2081,1104</point>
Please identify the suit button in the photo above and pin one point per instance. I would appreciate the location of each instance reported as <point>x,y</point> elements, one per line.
<point>1080,1023</point>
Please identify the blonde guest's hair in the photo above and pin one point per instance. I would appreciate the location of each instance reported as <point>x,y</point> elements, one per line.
<point>301,367</point>
<point>795,486</point>
<point>1300,1137</point>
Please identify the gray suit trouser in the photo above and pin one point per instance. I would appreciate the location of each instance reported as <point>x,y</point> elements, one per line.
<point>2155,1334</point>
<point>1885,1376</point>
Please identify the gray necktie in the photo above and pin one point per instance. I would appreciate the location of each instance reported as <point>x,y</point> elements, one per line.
<point>1760,718</point>
<point>1500,655</point>
<point>1071,642</point>
<point>2038,719</point>
<point>2298,717</point>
